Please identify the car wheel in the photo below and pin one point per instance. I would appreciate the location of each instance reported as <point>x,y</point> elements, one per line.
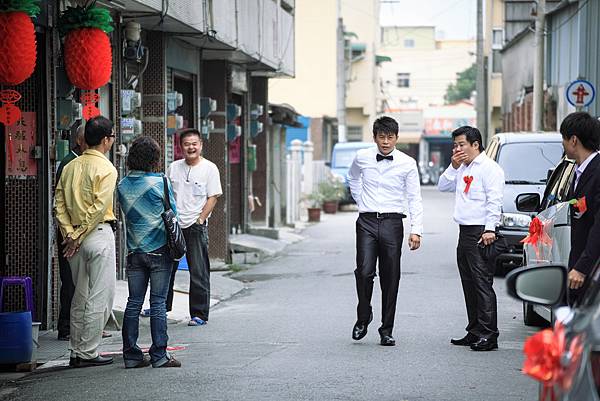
<point>530,318</point>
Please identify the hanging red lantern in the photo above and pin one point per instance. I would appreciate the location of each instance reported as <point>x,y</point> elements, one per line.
<point>17,40</point>
<point>87,50</point>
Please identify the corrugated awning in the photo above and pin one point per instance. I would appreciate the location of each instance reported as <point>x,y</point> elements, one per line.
<point>409,136</point>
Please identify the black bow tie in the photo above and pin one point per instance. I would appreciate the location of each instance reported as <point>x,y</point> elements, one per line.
<point>381,157</point>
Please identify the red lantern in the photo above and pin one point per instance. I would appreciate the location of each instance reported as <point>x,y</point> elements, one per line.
<point>88,58</point>
<point>17,47</point>
<point>17,41</point>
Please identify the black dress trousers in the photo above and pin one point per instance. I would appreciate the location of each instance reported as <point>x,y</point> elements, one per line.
<point>477,278</point>
<point>67,288</point>
<point>378,239</point>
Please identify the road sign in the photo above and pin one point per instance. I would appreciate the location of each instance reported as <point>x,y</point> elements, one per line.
<point>580,93</point>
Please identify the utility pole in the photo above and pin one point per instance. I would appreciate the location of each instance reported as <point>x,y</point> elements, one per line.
<point>341,75</point>
<point>481,78</point>
<point>538,68</point>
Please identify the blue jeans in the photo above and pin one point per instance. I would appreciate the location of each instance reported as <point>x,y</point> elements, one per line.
<point>141,268</point>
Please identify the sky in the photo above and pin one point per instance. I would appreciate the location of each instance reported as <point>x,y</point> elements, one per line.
<point>454,19</point>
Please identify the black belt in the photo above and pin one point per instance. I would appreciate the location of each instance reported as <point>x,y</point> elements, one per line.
<point>112,223</point>
<point>380,216</point>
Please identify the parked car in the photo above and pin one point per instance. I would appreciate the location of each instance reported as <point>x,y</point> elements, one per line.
<point>526,159</point>
<point>566,361</point>
<point>552,207</point>
<point>341,158</point>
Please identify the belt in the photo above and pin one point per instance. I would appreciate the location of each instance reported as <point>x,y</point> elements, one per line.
<point>380,216</point>
<point>112,223</point>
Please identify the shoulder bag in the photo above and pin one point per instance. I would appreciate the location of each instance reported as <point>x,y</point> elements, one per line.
<point>175,239</point>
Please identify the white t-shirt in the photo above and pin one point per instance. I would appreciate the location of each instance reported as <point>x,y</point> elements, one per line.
<point>192,185</point>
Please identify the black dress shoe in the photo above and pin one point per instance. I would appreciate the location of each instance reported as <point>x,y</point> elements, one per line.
<point>360,329</point>
<point>388,341</point>
<point>466,340</point>
<point>485,344</point>
<point>97,361</point>
<point>63,337</point>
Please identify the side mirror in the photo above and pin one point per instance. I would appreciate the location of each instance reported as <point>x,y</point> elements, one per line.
<point>543,284</point>
<point>528,202</point>
<point>328,164</point>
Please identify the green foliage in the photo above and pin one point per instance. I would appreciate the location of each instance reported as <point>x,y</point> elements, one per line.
<point>314,200</point>
<point>465,85</point>
<point>332,189</point>
<point>85,17</point>
<point>29,7</point>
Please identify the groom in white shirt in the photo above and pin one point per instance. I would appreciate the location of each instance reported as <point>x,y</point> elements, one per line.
<point>383,181</point>
<point>478,184</point>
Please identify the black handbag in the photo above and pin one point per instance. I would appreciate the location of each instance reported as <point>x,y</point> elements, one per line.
<point>175,239</point>
<point>492,251</point>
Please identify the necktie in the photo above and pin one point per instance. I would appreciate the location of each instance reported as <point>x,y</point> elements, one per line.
<point>381,157</point>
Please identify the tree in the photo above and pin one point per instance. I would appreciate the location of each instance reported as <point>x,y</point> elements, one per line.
<point>465,85</point>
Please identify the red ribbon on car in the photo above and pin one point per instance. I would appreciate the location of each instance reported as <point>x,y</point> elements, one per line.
<point>536,233</point>
<point>468,179</point>
<point>544,352</point>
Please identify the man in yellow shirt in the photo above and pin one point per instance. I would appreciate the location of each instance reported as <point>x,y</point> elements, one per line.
<point>84,210</point>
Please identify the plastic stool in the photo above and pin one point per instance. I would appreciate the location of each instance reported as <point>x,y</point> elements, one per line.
<point>24,282</point>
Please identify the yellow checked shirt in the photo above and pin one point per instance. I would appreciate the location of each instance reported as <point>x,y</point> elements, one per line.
<point>84,194</point>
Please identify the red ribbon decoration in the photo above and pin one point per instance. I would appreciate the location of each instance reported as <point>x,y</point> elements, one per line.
<point>543,353</point>
<point>468,179</point>
<point>537,235</point>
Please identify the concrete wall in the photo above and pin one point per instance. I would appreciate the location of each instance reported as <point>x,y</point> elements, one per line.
<point>517,67</point>
<point>312,91</point>
<point>362,18</point>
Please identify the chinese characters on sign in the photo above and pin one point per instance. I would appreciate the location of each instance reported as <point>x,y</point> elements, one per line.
<point>445,126</point>
<point>20,142</point>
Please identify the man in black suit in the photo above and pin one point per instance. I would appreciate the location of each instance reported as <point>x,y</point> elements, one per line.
<point>581,141</point>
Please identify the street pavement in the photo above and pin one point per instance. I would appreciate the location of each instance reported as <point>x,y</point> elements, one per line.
<point>288,335</point>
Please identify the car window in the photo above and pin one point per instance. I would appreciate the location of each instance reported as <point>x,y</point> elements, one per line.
<point>558,185</point>
<point>529,162</point>
<point>343,158</point>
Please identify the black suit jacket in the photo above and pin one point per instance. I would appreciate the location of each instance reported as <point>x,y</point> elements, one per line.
<point>585,231</point>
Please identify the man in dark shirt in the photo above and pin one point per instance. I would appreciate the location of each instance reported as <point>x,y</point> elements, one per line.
<point>67,287</point>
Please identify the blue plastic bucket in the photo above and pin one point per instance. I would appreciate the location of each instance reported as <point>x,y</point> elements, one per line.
<point>15,337</point>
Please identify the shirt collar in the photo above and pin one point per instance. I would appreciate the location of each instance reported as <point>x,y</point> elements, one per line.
<point>94,152</point>
<point>581,168</point>
<point>140,173</point>
<point>480,158</point>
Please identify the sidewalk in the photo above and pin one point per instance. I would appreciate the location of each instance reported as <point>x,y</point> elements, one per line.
<point>53,354</point>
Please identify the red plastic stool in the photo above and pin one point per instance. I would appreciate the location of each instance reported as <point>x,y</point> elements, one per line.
<point>27,285</point>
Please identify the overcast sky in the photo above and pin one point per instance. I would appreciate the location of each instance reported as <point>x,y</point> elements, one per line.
<point>454,19</point>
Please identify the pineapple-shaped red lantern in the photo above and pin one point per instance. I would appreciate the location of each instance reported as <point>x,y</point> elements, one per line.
<point>17,40</point>
<point>17,52</point>
<point>87,51</point>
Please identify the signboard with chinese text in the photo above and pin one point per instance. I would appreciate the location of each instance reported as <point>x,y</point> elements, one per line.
<point>444,126</point>
<point>19,141</point>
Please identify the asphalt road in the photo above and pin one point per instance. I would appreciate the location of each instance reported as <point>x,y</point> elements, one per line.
<point>288,337</point>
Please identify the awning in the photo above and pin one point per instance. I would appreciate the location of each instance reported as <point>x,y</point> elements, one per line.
<point>382,59</point>
<point>358,47</point>
<point>409,136</point>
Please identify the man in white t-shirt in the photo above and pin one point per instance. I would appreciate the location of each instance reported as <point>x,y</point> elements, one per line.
<point>196,185</point>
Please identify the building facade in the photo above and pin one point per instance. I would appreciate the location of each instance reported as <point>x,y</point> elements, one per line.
<point>175,64</point>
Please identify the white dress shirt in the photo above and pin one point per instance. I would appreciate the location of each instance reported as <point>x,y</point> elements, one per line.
<point>581,168</point>
<point>482,204</point>
<point>387,186</point>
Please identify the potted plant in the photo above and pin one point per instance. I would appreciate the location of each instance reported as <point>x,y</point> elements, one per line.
<point>314,201</point>
<point>332,190</point>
